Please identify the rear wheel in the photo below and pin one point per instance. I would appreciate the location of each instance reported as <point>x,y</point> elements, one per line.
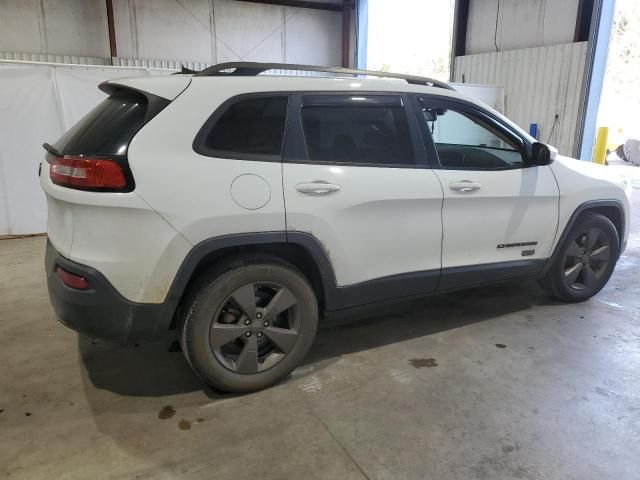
<point>586,260</point>
<point>249,326</point>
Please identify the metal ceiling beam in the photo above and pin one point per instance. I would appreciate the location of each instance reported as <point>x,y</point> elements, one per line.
<point>459,33</point>
<point>112,30</point>
<point>583,20</point>
<point>333,7</point>
<point>346,31</point>
<point>460,21</point>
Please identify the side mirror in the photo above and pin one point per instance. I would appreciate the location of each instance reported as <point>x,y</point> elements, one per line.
<point>542,154</point>
<point>430,115</point>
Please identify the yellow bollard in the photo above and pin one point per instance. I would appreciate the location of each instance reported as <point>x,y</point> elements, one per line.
<point>600,149</point>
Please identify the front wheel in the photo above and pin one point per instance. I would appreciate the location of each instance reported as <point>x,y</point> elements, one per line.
<point>586,260</point>
<point>249,326</point>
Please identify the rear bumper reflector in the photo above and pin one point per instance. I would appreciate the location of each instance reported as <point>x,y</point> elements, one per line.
<point>72,280</point>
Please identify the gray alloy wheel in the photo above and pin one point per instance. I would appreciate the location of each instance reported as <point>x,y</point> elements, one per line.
<point>248,323</point>
<point>256,327</point>
<point>585,260</point>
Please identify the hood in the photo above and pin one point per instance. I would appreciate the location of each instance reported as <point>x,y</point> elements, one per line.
<point>619,176</point>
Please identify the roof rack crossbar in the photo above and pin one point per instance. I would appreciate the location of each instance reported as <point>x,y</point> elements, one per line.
<point>250,69</point>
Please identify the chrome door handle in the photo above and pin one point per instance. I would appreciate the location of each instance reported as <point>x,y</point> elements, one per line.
<point>465,186</point>
<point>317,188</point>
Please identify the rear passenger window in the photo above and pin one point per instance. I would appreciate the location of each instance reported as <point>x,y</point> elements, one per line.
<point>357,130</point>
<point>248,127</point>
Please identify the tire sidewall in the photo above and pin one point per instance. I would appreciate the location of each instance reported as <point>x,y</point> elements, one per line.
<point>209,300</point>
<point>559,283</point>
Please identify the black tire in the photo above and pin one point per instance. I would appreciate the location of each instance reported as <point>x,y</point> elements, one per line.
<point>585,260</point>
<point>212,314</point>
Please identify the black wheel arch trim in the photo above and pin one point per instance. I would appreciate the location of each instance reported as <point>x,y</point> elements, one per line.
<point>586,206</point>
<point>104,313</point>
<point>393,287</point>
<point>335,297</point>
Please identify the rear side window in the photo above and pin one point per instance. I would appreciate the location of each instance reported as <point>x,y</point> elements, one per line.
<point>357,130</point>
<point>109,127</point>
<point>251,128</point>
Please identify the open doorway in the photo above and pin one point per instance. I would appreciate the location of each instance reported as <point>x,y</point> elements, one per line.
<point>620,99</point>
<point>410,36</point>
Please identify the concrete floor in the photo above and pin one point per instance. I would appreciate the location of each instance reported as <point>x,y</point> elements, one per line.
<point>488,383</point>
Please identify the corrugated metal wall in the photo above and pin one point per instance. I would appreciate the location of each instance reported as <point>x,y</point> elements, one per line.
<point>50,58</point>
<point>118,62</point>
<point>539,83</point>
<point>140,63</point>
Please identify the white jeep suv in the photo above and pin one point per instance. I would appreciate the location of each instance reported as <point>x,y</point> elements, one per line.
<point>233,209</point>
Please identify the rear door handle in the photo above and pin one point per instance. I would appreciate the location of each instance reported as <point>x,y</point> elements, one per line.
<point>317,188</point>
<point>465,186</point>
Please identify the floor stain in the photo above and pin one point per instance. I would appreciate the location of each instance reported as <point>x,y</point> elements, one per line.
<point>166,412</point>
<point>423,362</point>
<point>508,448</point>
<point>184,424</point>
<point>27,414</point>
<point>200,420</point>
<point>501,345</point>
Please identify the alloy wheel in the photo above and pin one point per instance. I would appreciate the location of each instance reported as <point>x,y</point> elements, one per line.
<point>586,259</point>
<point>256,327</point>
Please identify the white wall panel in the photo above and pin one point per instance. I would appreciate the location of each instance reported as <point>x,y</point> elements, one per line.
<point>215,31</point>
<point>20,26</point>
<point>247,31</point>
<point>538,83</point>
<point>50,58</point>
<point>164,29</point>
<point>514,24</point>
<point>313,36</point>
<point>69,27</point>
<point>202,31</point>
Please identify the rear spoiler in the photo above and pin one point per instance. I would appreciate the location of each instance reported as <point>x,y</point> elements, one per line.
<point>165,86</point>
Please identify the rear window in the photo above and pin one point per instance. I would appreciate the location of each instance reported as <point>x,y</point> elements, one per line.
<point>248,128</point>
<point>108,128</point>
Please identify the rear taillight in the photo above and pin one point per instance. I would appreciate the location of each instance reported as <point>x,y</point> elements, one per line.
<point>72,280</point>
<point>87,173</point>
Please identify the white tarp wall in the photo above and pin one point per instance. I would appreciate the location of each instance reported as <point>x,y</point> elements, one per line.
<point>37,104</point>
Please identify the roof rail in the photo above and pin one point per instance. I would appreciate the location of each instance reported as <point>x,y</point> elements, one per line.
<point>250,69</point>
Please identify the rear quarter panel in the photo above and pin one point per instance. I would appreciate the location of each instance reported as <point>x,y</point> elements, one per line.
<point>192,192</point>
<point>119,235</point>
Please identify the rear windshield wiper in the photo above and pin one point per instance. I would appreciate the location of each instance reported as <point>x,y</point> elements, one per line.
<point>51,149</point>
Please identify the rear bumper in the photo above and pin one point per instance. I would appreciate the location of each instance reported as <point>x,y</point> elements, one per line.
<point>101,311</point>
